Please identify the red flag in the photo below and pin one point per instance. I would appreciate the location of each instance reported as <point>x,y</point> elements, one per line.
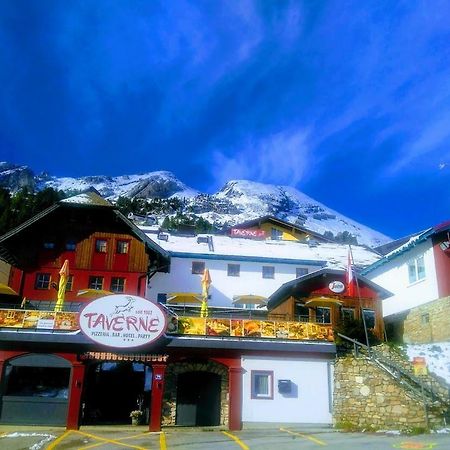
<point>350,276</point>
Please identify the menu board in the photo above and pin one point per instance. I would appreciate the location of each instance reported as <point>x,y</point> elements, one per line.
<point>32,319</point>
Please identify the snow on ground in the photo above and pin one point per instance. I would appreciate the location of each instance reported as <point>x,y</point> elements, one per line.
<point>437,356</point>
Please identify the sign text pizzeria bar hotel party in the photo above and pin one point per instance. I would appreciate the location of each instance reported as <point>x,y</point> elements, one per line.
<point>122,321</point>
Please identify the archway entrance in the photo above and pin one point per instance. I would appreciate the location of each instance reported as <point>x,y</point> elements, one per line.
<point>113,390</point>
<point>198,399</point>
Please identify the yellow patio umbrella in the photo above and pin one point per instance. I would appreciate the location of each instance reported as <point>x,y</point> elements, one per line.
<point>322,301</point>
<point>249,299</point>
<point>183,298</point>
<point>6,290</point>
<point>206,283</point>
<point>90,293</point>
<point>63,277</point>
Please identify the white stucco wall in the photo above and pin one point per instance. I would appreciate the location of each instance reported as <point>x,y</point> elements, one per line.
<point>223,287</point>
<point>393,276</point>
<point>310,400</point>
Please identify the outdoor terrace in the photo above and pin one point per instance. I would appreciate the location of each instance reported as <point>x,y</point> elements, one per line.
<point>182,320</point>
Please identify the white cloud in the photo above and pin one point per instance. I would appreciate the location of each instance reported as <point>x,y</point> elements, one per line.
<point>280,158</point>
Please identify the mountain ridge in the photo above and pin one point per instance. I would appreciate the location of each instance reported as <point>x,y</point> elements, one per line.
<point>236,202</point>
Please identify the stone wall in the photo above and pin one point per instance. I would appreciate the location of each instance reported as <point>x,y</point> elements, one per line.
<point>169,408</point>
<point>428,323</point>
<point>365,397</point>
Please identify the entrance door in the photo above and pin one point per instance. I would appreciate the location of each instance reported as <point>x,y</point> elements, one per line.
<point>198,399</point>
<point>113,390</point>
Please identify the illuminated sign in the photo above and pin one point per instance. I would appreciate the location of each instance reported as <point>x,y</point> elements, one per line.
<point>122,321</point>
<point>248,233</point>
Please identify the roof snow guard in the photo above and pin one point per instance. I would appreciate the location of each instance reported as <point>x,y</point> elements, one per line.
<point>412,242</point>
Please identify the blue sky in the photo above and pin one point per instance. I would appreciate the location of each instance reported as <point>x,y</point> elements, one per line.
<point>349,101</point>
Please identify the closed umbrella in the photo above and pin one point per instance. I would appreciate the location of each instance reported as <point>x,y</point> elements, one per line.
<point>206,283</point>
<point>63,277</point>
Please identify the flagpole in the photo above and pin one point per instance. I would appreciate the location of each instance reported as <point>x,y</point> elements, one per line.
<point>360,301</point>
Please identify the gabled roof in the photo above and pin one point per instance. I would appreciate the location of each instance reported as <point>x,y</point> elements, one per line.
<point>90,197</point>
<point>87,199</point>
<point>276,221</point>
<point>303,283</point>
<point>408,243</point>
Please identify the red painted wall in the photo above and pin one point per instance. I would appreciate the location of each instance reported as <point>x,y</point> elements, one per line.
<point>442,263</point>
<point>80,281</point>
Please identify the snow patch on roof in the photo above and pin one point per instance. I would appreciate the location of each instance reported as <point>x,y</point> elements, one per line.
<point>335,255</point>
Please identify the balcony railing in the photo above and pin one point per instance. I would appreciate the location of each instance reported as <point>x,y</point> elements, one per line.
<point>222,322</point>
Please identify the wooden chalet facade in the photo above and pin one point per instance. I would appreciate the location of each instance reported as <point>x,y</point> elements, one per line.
<point>321,297</point>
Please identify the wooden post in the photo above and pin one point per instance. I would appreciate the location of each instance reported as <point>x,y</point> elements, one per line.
<point>157,396</point>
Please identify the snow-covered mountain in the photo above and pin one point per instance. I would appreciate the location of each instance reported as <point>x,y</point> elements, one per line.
<point>237,202</point>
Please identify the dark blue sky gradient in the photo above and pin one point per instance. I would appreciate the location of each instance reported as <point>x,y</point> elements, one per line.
<point>346,100</point>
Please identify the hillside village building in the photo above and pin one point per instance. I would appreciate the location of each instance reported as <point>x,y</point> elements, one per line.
<point>415,269</point>
<point>118,343</point>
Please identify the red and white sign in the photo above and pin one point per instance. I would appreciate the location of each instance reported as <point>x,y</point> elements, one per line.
<point>122,321</point>
<point>248,233</point>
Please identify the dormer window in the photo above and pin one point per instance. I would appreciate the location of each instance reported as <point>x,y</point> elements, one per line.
<point>100,245</point>
<point>122,247</point>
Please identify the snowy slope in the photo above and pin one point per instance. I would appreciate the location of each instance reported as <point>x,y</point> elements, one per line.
<point>237,202</point>
<point>437,357</point>
<point>250,200</point>
<point>161,184</point>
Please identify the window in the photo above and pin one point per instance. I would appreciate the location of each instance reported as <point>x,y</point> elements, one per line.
<point>369,317</point>
<point>301,312</point>
<point>262,384</point>
<point>198,267</point>
<point>69,284</point>
<point>268,272</point>
<point>117,284</point>
<point>100,245</point>
<point>425,318</point>
<point>95,282</point>
<point>300,271</point>
<point>42,281</point>
<point>122,247</point>
<point>416,269</point>
<point>348,314</point>
<point>323,314</point>
<point>234,270</point>
<point>48,245</point>
<point>276,234</point>
<point>37,381</point>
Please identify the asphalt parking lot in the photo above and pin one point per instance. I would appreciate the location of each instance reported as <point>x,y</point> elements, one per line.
<point>280,438</point>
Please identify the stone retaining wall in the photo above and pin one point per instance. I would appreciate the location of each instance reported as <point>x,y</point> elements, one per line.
<point>365,397</point>
<point>428,323</point>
